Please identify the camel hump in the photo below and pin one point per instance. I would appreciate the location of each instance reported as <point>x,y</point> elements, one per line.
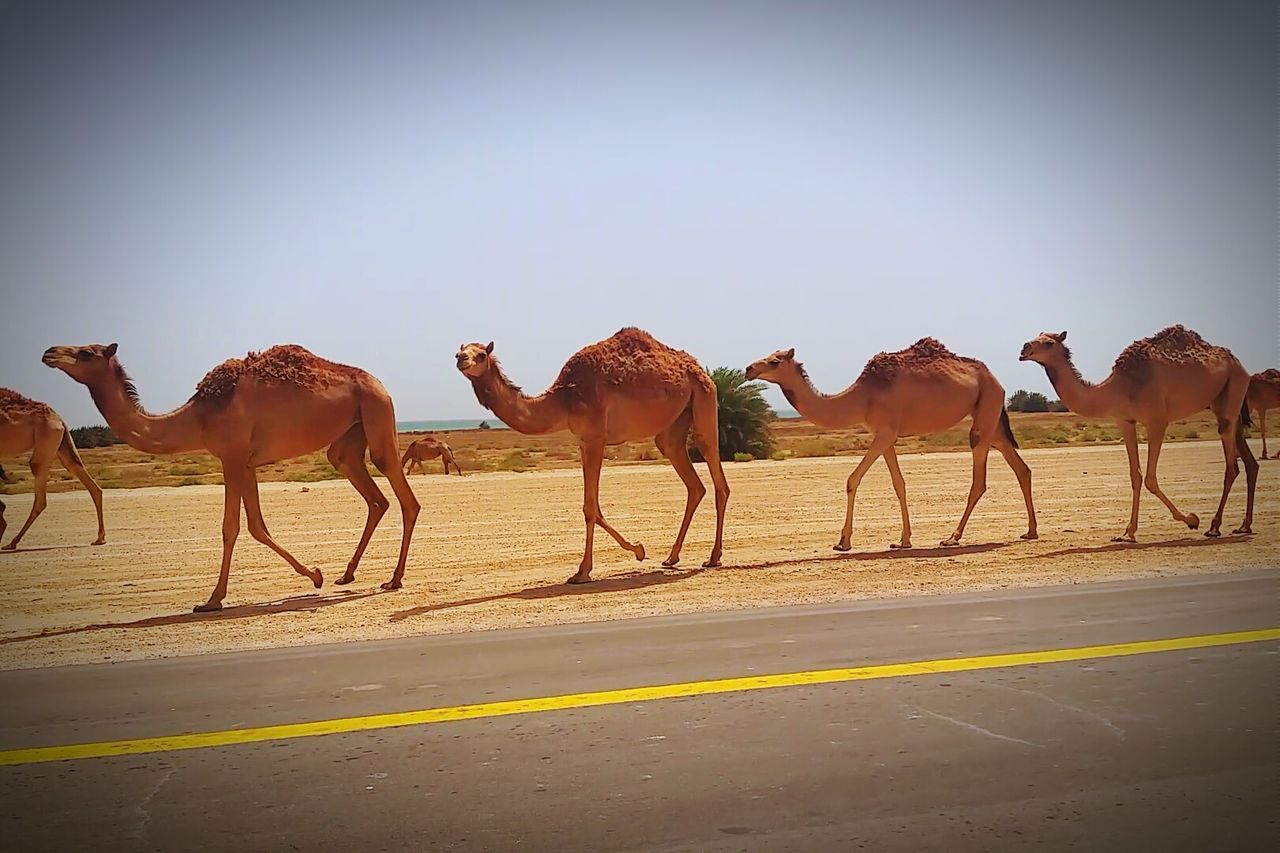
<point>629,357</point>
<point>1172,345</point>
<point>286,364</point>
<point>1271,376</point>
<point>13,403</point>
<point>922,355</point>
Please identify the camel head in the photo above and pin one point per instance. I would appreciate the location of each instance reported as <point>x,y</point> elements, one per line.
<point>1045,348</point>
<point>86,365</point>
<point>474,359</point>
<point>774,368</point>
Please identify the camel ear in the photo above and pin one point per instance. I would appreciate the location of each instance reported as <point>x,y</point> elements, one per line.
<point>791,353</point>
<point>1060,337</point>
<point>110,350</point>
<point>489,348</point>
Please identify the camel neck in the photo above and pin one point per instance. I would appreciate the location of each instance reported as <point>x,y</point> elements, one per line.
<point>1081,397</point>
<point>847,408</point>
<point>176,432</point>
<point>529,415</point>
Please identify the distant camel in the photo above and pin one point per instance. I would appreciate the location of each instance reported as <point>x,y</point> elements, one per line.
<point>1264,393</point>
<point>253,411</point>
<point>1166,377</point>
<point>923,389</point>
<point>425,449</point>
<point>27,425</point>
<point>624,388</point>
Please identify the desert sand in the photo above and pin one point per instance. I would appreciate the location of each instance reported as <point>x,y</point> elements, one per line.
<point>492,550</point>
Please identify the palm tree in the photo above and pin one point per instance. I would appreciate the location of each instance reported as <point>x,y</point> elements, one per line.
<point>744,415</point>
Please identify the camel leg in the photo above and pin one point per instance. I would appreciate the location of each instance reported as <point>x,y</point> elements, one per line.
<point>1262,427</point>
<point>706,433</point>
<point>899,488</point>
<point>72,463</point>
<point>1023,473</point>
<point>672,442</point>
<point>635,548</point>
<point>3,524</point>
<point>232,476</point>
<point>347,455</point>
<point>1227,430</point>
<point>1251,479</point>
<point>1130,431</point>
<point>977,488</point>
<point>380,433</point>
<point>880,442</point>
<point>258,527</point>
<point>40,470</point>
<point>592,460</point>
<point>1155,440</point>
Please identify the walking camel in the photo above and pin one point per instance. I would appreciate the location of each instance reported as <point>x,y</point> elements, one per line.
<point>1168,376</point>
<point>28,425</point>
<point>253,411</point>
<point>627,387</point>
<point>425,449</point>
<point>1264,393</point>
<point>923,389</point>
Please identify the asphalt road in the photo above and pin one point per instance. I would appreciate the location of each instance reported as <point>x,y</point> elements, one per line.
<point>1176,750</point>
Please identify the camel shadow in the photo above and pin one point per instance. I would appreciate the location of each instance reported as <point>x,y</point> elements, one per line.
<point>619,583</point>
<point>1202,542</point>
<point>45,548</point>
<point>888,554</point>
<point>310,602</point>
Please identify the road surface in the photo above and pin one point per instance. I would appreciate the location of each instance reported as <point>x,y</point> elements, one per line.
<point>1163,749</point>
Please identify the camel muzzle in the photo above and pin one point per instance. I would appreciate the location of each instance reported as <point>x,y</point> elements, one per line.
<point>751,372</point>
<point>53,357</point>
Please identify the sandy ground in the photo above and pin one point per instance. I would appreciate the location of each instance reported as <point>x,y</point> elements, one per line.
<point>492,550</point>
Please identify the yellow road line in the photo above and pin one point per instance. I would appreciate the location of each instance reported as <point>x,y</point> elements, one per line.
<point>228,737</point>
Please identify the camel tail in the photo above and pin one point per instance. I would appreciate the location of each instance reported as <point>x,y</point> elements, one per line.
<point>404,460</point>
<point>1245,420</point>
<point>1006,429</point>
<point>67,449</point>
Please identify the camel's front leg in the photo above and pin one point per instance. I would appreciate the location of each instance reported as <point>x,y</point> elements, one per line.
<point>880,442</point>
<point>231,478</point>
<point>592,460</point>
<point>1262,426</point>
<point>258,527</point>
<point>1155,440</point>
<point>899,488</point>
<point>1130,431</point>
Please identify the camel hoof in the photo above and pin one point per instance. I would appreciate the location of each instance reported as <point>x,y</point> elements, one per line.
<point>579,578</point>
<point>207,607</point>
<point>1030,535</point>
<point>345,579</point>
<point>316,578</point>
<point>670,562</point>
<point>711,564</point>
<point>1124,538</point>
<point>1247,530</point>
<point>392,585</point>
<point>1193,521</point>
<point>12,546</point>
<point>1213,534</point>
<point>639,552</point>
<point>839,546</point>
<point>899,546</point>
<point>98,542</point>
<point>950,543</point>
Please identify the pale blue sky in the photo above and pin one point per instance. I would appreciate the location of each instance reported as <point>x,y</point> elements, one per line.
<point>383,181</point>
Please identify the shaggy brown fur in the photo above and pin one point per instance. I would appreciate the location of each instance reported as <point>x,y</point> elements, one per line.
<point>923,354</point>
<point>286,364</point>
<point>1174,345</point>
<point>630,357</point>
<point>13,403</point>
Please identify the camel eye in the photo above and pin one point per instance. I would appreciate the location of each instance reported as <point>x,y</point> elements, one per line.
<point>773,362</point>
<point>480,356</point>
<point>84,355</point>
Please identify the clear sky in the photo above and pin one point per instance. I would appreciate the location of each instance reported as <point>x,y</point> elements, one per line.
<point>383,181</point>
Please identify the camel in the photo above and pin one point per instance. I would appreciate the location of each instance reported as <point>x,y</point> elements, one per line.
<point>923,389</point>
<point>627,387</point>
<point>264,408</point>
<point>28,425</point>
<point>1170,375</point>
<point>424,449</point>
<point>1264,393</point>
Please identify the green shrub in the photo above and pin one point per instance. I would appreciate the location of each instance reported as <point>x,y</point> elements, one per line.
<point>744,416</point>
<point>811,447</point>
<point>516,460</point>
<point>779,455</point>
<point>743,457</point>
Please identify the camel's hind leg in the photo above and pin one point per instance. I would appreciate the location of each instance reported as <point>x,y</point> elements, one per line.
<point>3,524</point>
<point>880,442</point>
<point>1262,427</point>
<point>592,460</point>
<point>258,527</point>
<point>1155,440</point>
<point>380,432</point>
<point>673,443</point>
<point>1251,480</point>
<point>977,488</point>
<point>71,461</point>
<point>41,461</point>
<point>706,432</point>
<point>347,455</point>
<point>900,489</point>
<point>1023,473</point>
